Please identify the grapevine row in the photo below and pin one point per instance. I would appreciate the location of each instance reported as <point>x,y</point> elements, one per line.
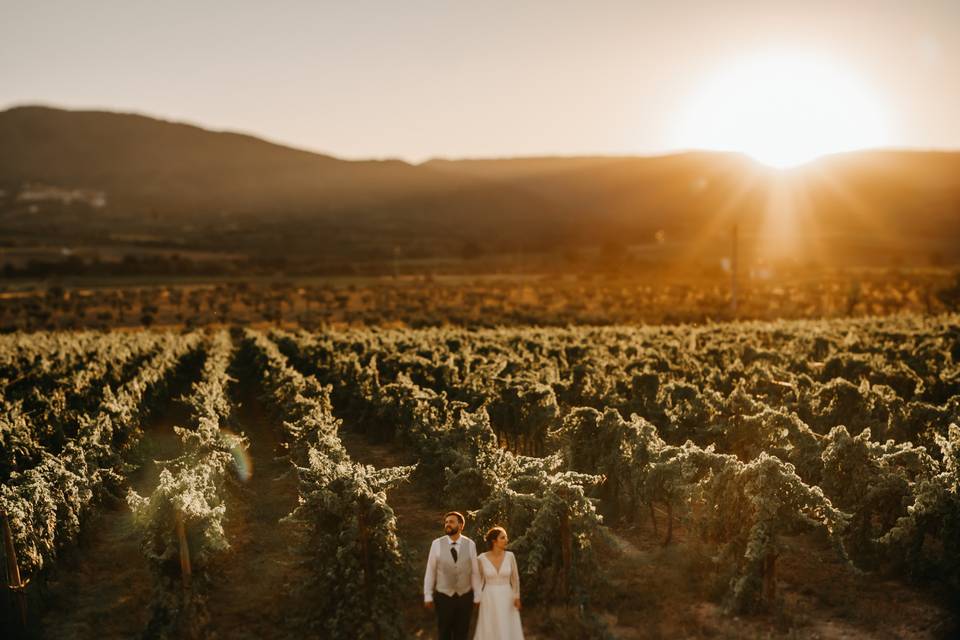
<point>46,504</point>
<point>182,520</point>
<point>45,417</point>
<point>350,529</point>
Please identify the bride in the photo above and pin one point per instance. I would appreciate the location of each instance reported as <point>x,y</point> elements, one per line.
<point>499,616</point>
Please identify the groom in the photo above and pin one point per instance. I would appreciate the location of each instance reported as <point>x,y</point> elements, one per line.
<point>452,582</point>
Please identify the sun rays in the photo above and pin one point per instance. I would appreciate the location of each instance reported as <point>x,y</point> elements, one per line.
<point>785,215</point>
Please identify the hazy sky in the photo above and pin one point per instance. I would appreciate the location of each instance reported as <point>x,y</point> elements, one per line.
<point>417,79</point>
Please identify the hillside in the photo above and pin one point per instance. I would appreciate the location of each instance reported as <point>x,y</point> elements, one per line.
<point>148,164</point>
<point>912,191</point>
<point>179,186</point>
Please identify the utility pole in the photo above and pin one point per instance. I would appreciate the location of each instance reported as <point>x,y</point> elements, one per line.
<point>733,272</point>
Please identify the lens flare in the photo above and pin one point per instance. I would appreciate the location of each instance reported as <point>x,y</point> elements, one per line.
<point>242,462</point>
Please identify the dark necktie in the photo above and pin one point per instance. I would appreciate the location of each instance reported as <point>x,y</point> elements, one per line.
<point>453,552</point>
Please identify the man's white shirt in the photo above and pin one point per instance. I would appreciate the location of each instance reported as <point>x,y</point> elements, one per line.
<point>446,576</point>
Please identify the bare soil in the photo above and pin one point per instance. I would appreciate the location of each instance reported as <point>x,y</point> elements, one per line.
<point>419,521</point>
<point>255,596</point>
<point>660,592</point>
<point>102,587</point>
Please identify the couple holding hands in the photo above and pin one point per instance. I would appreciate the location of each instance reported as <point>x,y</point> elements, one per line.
<point>457,580</point>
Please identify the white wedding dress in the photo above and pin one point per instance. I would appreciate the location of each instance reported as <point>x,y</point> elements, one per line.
<point>498,618</point>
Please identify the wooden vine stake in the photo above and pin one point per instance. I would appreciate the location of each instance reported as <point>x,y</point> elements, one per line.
<point>363,533</point>
<point>669,538</point>
<point>184,552</point>
<point>769,577</point>
<point>13,571</point>
<point>566,551</point>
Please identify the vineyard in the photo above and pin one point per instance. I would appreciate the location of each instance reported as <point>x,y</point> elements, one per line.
<point>557,299</point>
<point>765,478</point>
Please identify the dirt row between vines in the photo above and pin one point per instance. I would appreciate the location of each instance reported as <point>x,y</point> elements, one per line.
<point>256,594</point>
<point>102,587</point>
<point>418,523</point>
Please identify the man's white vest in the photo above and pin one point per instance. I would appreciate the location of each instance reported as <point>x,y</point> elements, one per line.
<point>453,578</point>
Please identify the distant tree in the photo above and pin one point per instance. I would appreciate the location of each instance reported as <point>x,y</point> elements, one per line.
<point>56,293</point>
<point>853,295</point>
<point>613,253</point>
<point>470,249</point>
<point>572,256</point>
<point>950,296</point>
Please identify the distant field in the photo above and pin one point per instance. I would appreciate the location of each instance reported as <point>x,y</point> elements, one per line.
<point>486,300</point>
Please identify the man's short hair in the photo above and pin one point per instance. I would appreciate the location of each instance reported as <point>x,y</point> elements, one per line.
<point>455,513</point>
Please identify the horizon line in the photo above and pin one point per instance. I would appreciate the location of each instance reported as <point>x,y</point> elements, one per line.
<point>466,158</point>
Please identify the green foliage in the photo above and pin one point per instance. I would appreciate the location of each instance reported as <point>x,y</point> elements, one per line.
<point>46,504</point>
<point>924,540</point>
<point>871,481</point>
<point>523,413</point>
<point>743,433</point>
<point>620,451</point>
<point>64,378</point>
<point>555,530</point>
<point>191,495</point>
<point>733,432</point>
<point>350,530</point>
<point>752,505</point>
<point>532,496</point>
<point>356,564</point>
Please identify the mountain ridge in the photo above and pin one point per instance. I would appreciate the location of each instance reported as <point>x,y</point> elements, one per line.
<point>166,177</point>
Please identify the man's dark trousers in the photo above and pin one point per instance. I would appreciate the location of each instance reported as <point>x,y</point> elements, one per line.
<point>453,615</point>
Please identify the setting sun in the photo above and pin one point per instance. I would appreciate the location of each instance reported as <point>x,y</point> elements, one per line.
<point>784,109</point>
